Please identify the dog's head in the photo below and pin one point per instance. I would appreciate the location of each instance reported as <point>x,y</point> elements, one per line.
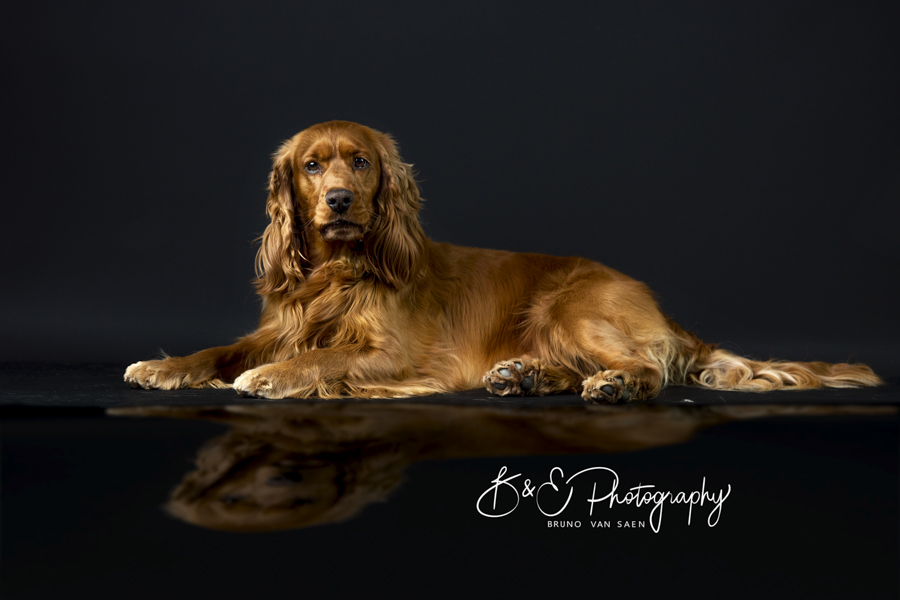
<point>340,187</point>
<point>254,481</point>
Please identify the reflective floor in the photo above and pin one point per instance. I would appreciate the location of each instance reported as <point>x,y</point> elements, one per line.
<point>418,500</point>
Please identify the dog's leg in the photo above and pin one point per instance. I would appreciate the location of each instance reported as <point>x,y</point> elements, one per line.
<point>529,377</point>
<point>609,330</point>
<point>210,368</point>
<point>321,373</point>
<point>624,380</point>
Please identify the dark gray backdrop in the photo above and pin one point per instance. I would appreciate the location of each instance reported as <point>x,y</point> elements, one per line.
<point>741,158</point>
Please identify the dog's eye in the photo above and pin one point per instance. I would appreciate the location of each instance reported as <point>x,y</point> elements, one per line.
<point>231,499</point>
<point>286,478</point>
<point>360,163</point>
<point>313,167</point>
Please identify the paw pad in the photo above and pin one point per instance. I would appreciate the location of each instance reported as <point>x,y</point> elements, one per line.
<point>527,382</point>
<point>608,387</point>
<point>513,377</point>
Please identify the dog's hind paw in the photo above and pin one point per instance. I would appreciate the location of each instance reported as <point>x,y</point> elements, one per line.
<point>515,377</point>
<point>610,387</point>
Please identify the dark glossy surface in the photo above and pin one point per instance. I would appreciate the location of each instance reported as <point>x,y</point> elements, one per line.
<point>101,386</point>
<point>389,502</point>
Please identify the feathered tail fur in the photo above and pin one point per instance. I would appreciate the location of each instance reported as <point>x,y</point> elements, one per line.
<point>705,365</point>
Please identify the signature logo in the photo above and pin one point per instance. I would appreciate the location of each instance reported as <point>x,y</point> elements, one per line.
<point>553,496</point>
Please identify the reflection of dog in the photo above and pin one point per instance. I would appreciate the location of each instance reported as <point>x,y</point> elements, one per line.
<point>263,481</point>
<point>289,466</point>
<point>356,300</point>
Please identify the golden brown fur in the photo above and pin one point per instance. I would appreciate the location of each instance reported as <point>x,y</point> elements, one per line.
<point>357,301</point>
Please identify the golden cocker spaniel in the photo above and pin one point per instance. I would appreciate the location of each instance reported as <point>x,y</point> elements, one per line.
<point>358,302</point>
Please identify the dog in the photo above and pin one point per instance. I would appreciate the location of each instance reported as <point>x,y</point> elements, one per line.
<point>357,301</point>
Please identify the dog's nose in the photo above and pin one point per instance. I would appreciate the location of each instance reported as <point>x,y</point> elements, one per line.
<point>339,200</point>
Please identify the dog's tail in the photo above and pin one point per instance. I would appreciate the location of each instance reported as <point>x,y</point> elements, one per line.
<point>707,366</point>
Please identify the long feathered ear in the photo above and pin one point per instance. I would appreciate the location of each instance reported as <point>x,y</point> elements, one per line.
<point>282,254</point>
<point>395,248</point>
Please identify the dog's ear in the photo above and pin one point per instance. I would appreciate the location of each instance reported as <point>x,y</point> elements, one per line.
<point>397,242</point>
<point>282,254</point>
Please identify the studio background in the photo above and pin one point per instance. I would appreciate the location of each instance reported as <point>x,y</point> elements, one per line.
<point>743,159</point>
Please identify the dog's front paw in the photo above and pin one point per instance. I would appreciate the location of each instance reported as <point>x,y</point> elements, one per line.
<point>255,383</point>
<point>153,375</point>
<point>172,373</point>
<point>515,377</point>
<point>610,387</point>
<point>286,380</point>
